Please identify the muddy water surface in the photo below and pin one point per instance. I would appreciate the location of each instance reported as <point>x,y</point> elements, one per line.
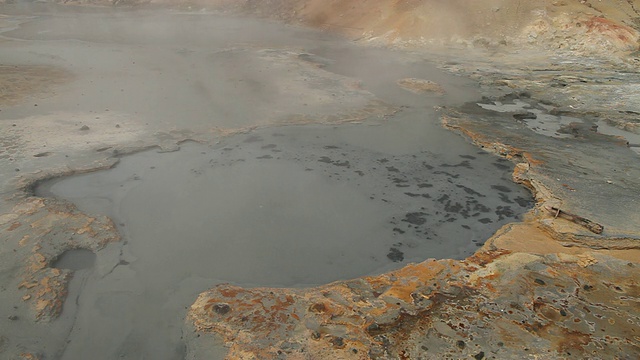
<point>292,206</point>
<point>278,206</point>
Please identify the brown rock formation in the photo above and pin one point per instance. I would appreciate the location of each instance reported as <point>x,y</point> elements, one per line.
<point>496,303</point>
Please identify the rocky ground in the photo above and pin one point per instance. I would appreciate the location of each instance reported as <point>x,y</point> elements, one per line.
<point>561,101</point>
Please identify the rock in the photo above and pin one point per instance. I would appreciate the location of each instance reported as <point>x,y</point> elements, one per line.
<point>484,298</point>
<point>420,86</point>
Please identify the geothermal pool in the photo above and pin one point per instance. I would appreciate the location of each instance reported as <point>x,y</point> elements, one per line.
<point>296,206</point>
<point>293,206</point>
<point>334,170</point>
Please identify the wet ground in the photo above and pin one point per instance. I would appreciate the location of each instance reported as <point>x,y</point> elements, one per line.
<point>362,180</point>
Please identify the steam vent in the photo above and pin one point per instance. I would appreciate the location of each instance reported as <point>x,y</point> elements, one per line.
<point>319,179</point>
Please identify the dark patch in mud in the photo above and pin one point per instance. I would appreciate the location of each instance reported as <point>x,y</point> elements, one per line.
<point>426,196</point>
<point>453,208</point>
<point>505,212</point>
<point>401,183</point>
<point>453,176</point>
<point>501,166</point>
<point>505,198</point>
<point>252,139</point>
<point>417,218</point>
<point>501,188</point>
<point>43,154</point>
<point>327,160</point>
<point>465,164</point>
<point>469,191</point>
<point>523,202</point>
<point>395,255</point>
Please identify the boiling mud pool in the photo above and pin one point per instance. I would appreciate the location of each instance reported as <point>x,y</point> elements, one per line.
<point>289,206</point>
<point>296,206</point>
<point>280,206</point>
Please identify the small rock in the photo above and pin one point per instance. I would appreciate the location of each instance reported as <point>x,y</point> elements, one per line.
<point>13,317</point>
<point>84,128</point>
<point>221,309</point>
<point>318,308</point>
<point>420,86</point>
<point>338,342</point>
<point>527,115</point>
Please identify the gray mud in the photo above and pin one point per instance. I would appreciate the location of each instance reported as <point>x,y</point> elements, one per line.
<point>298,205</point>
<point>294,206</point>
<point>76,259</point>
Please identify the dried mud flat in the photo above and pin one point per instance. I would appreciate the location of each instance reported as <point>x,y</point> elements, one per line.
<point>550,286</point>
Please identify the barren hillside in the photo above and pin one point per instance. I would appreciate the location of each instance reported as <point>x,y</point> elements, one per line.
<point>590,26</point>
